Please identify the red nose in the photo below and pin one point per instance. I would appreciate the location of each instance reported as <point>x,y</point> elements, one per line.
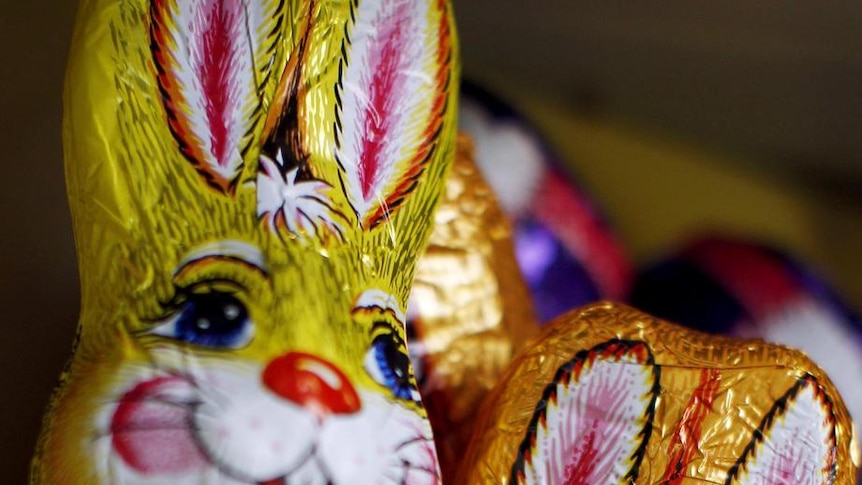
<point>312,383</point>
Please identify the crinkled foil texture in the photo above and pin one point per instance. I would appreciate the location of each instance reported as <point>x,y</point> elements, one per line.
<point>251,183</point>
<point>711,410</point>
<point>470,308</point>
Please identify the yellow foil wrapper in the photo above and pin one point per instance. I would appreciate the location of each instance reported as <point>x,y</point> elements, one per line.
<point>251,183</point>
<point>611,395</point>
<point>470,308</point>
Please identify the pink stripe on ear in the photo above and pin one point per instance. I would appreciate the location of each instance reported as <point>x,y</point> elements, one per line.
<point>392,95</point>
<point>204,61</point>
<point>218,48</point>
<point>383,87</point>
<point>594,420</point>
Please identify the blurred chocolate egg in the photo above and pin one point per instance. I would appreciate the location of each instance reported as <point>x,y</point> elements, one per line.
<point>566,251</point>
<point>734,287</point>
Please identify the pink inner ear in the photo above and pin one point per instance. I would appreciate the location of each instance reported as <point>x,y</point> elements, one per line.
<point>593,425</point>
<point>218,49</point>
<point>383,89</point>
<point>204,57</point>
<point>391,101</point>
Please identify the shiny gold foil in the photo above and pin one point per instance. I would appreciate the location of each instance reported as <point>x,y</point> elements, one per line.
<point>747,380</point>
<point>473,312</point>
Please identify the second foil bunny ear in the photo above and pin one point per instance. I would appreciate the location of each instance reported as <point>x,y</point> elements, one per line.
<point>593,422</point>
<point>387,108</point>
<point>795,442</point>
<point>391,97</point>
<point>213,58</point>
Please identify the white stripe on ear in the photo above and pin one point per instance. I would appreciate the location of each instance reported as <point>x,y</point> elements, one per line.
<point>205,52</point>
<point>391,97</point>
<point>593,424</point>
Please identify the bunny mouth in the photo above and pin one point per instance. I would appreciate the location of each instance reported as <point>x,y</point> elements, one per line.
<point>150,428</point>
<point>154,430</point>
<point>167,426</point>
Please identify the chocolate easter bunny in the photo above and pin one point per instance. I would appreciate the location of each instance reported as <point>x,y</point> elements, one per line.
<point>608,394</point>
<point>251,183</point>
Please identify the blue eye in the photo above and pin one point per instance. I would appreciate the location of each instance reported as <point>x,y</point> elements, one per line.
<point>388,364</point>
<point>212,319</point>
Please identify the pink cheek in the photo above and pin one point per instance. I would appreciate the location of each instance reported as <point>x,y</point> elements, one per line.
<point>153,437</point>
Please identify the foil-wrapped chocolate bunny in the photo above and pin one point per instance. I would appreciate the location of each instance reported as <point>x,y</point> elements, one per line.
<point>251,183</point>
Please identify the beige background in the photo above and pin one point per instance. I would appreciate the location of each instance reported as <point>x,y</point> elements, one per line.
<point>676,115</point>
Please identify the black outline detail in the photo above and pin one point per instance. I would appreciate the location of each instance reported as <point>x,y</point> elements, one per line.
<point>385,212</point>
<point>156,28</point>
<point>779,409</point>
<point>565,373</point>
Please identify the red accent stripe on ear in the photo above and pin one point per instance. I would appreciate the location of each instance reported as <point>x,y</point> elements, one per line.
<point>204,60</point>
<point>685,445</point>
<point>429,136</point>
<point>218,47</point>
<point>392,97</point>
<point>383,89</point>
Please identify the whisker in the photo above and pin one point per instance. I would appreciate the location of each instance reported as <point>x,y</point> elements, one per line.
<point>398,472</point>
<point>324,470</point>
<point>430,471</point>
<point>412,441</point>
<point>408,466</point>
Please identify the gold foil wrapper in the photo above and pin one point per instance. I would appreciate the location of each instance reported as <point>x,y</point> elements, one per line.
<point>471,309</point>
<point>608,394</point>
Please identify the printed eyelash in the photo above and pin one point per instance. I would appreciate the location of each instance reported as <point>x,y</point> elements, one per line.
<point>206,315</point>
<point>383,327</point>
<point>181,294</point>
<point>387,361</point>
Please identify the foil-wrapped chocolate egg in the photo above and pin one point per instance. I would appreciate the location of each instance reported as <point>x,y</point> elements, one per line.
<point>566,251</point>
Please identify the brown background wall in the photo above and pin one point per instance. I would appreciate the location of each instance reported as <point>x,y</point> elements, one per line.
<point>38,274</point>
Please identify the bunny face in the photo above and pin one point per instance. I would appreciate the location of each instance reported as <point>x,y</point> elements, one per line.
<point>251,184</point>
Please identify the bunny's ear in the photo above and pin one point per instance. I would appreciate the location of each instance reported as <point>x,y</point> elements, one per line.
<point>594,420</point>
<point>795,442</point>
<point>391,97</point>
<point>213,59</point>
